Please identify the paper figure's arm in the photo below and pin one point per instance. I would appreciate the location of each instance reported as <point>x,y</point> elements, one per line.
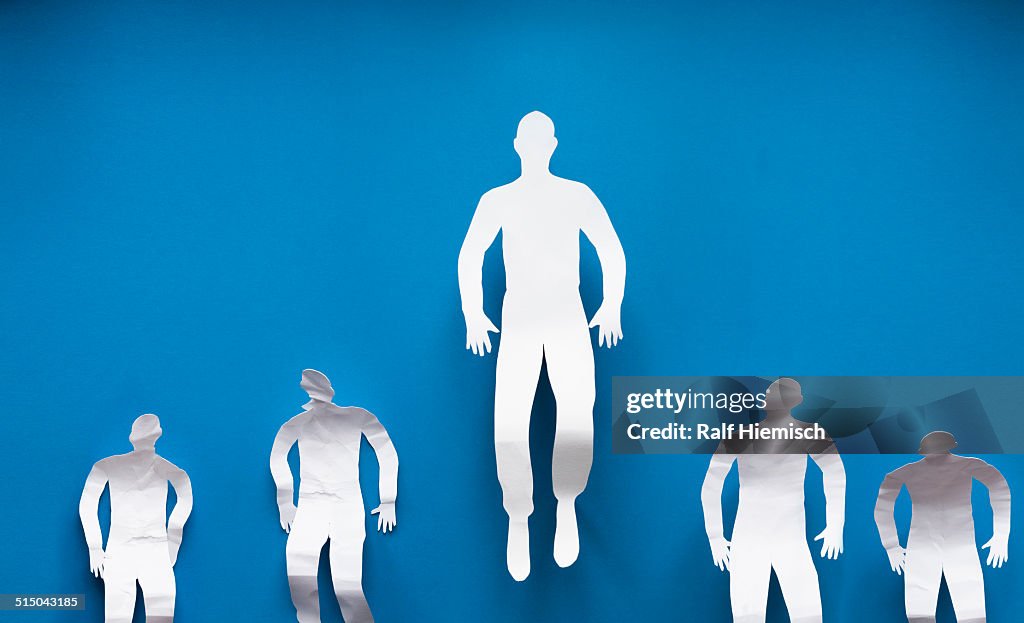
<point>885,509</point>
<point>999,498</point>
<point>598,229</point>
<point>834,482</point>
<point>387,459</point>
<point>885,519</point>
<point>483,230</point>
<point>998,495</point>
<point>711,493</point>
<point>182,508</point>
<point>711,501</point>
<point>282,473</point>
<point>88,507</point>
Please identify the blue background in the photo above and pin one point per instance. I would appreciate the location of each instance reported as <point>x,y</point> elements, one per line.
<point>197,202</point>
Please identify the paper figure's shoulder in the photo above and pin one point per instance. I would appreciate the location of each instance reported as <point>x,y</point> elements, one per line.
<point>112,467</point>
<point>575,189</point>
<point>970,463</point>
<point>297,421</point>
<point>503,190</point>
<point>904,473</point>
<point>575,186</point>
<point>359,413</point>
<point>111,462</point>
<point>499,196</point>
<point>165,466</point>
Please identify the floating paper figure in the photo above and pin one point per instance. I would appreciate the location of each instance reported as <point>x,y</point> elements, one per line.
<point>330,502</point>
<point>770,532</point>
<point>143,543</point>
<point>541,217</point>
<point>941,540</point>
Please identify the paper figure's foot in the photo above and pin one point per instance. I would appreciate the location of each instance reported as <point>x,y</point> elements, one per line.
<point>567,535</point>
<point>518,552</point>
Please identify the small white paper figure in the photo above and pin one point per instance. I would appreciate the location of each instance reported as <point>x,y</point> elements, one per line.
<point>941,540</point>
<point>541,217</point>
<point>143,543</point>
<point>330,502</point>
<point>770,532</point>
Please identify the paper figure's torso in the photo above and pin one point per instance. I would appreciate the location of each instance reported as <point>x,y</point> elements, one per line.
<point>940,494</point>
<point>138,498</point>
<point>540,225</point>
<point>771,498</point>
<point>329,441</point>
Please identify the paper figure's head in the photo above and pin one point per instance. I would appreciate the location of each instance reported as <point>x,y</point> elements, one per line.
<point>145,431</point>
<point>937,442</point>
<point>317,385</point>
<point>783,394</point>
<point>535,139</point>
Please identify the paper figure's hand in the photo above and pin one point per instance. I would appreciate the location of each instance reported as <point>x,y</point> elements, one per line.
<point>998,551</point>
<point>478,326</point>
<point>832,542</point>
<point>610,323</point>
<point>720,553</point>
<point>386,520</point>
<point>96,558</point>
<point>172,550</point>
<point>287,511</point>
<point>897,558</point>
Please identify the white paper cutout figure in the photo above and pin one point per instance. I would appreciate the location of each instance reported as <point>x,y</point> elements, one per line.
<point>941,540</point>
<point>541,217</point>
<point>771,527</point>
<point>330,501</point>
<point>143,543</point>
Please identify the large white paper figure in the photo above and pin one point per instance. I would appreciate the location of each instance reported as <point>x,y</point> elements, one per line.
<point>941,540</point>
<point>770,532</point>
<point>143,543</point>
<point>541,217</point>
<point>330,501</point>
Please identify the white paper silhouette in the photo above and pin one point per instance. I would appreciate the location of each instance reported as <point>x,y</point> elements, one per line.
<point>770,532</point>
<point>330,502</point>
<point>143,543</point>
<point>941,541</point>
<point>541,217</point>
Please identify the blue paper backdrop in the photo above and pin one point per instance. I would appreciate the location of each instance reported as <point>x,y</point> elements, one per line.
<point>199,201</point>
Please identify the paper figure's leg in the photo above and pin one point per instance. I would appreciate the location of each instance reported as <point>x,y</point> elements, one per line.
<point>570,361</point>
<point>519,362</point>
<point>346,553</point>
<point>306,540</point>
<point>966,583</point>
<point>157,582</point>
<point>750,573</point>
<point>118,590</point>
<point>921,577</point>
<point>799,581</point>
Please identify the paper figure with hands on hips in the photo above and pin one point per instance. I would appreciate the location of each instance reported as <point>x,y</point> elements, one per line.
<point>143,543</point>
<point>941,540</point>
<point>540,217</point>
<point>330,502</point>
<point>770,532</point>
